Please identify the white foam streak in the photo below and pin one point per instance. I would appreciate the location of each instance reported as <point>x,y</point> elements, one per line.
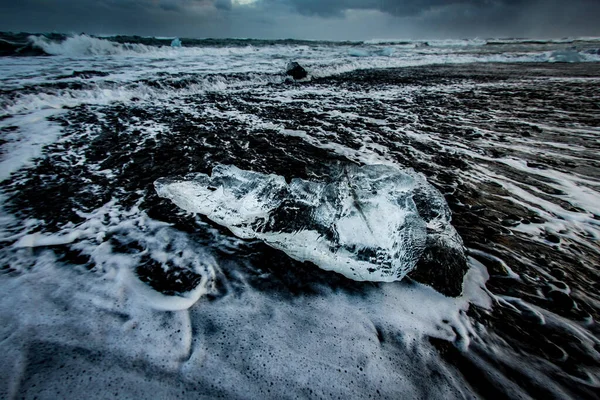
<point>27,142</point>
<point>90,238</point>
<point>68,98</point>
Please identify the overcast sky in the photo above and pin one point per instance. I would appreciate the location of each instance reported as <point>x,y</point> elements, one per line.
<point>309,19</point>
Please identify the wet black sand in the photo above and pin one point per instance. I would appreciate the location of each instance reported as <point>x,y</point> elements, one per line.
<point>471,116</point>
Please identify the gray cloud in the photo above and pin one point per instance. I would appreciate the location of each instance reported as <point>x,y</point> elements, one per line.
<point>400,8</point>
<point>223,4</point>
<point>338,7</point>
<point>329,19</point>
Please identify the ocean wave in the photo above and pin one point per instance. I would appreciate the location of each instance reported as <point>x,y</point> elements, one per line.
<point>321,58</point>
<point>88,46</point>
<point>456,42</point>
<point>59,95</point>
<point>23,44</point>
<point>84,45</point>
<point>529,41</point>
<point>22,49</point>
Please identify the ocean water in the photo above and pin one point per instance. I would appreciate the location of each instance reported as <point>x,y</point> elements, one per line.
<point>112,290</point>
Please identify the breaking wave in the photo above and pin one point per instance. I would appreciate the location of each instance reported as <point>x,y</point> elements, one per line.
<point>84,45</point>
<point>401,52</point>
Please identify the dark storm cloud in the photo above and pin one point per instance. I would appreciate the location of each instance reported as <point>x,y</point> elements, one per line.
<point>144,17</point>
<point>335,19</point>
<point>393,7</point>
<point>408,8</point>
<point>223,4</point>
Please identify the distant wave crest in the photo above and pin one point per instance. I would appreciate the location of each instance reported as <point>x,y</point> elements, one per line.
<point>89,46</point>
<point>84,45</point>
<point>322,56</point>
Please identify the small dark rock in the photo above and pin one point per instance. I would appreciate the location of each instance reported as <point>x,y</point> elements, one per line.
<point>536,129</point>
<point>536,220</point>
<point>555,352</point>
<point>495,153</point>
<point>441,268</point>
<point>561,299</point>
<point>491,231</point>
<point>509,222</point>
<point>558,273</point>
<point>474,136</point>
<point>11,128</point>
<point>552,238</point>
<point>296,71</point>
<point>543,261</point>
<point>561,285</point>
<point>536,165</point>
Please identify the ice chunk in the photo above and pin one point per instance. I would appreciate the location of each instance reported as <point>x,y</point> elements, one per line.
<point>386,52</point>
<point>566,56</point>
<point>176,43</point>
<point>358,53</point>
<point>362,222</point>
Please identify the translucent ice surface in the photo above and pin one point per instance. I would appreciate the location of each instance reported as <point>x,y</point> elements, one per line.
<point>176,42</point>
<point>568,55</point>
<point>362,222</point>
